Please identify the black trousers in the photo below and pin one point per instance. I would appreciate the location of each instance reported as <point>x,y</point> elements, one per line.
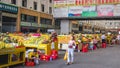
<point>103,40</point>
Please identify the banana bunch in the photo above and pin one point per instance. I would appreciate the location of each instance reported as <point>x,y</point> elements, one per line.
<point>2,45</point>
<point>8,45</point>
<point>84,39</point>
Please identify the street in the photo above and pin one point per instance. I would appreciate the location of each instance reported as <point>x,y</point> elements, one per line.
<point>100,58</point>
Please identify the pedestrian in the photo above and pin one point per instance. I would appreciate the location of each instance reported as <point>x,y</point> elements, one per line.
<point>118,38</point>
<point>95,42</point>
<point>91,44</point>
<point>70,50</point>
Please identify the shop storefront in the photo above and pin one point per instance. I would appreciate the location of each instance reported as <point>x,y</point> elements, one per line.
<point>8,17</point>
<point>28,23</point>
<point>33,21</point>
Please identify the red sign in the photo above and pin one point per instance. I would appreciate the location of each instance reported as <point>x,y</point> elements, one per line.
<point>90,1</point>
<point>111,1</point>
<point>98,1</point>
<point>102,1</point>
<point>77,2</point>
<point>83,2</point>
<point>117,1</point>
<point>107,1</point>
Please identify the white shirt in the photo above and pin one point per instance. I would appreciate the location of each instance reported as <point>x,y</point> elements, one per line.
<point>71,42</point>
<point>103,37</point>
<point>118,37</point>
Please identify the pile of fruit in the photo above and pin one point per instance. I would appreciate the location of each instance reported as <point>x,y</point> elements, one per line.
<point>64,39</point>
<point>15,40</point>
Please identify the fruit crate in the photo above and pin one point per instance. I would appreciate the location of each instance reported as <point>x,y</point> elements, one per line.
<point>12,56</point>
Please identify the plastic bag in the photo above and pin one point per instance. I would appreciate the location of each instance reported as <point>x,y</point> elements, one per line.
<point>66,55</point>
<point>36,61</point>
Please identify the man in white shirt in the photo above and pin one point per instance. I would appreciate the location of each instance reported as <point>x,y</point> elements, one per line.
<point>103,37</point>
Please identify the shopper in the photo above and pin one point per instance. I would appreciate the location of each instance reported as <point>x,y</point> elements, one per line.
<point>95,42</point>
<point>70,50</point>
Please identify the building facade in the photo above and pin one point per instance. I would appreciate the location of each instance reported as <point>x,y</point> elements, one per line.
<point>37,5</point>
<point>8,15</point>
<point>26,15</point>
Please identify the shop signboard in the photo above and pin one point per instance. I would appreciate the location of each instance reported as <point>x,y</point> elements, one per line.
<point>60,12</point>
<point>43,25</point>
<point>75,11</point>
<point>8,8</point>
<point>25,24</point>
<point>71,2</point>
<point>105,10</point>
<point>60,3</point>
<point>35,25</point>
<point>117,10</point>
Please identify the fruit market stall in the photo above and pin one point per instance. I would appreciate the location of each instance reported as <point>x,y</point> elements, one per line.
<point>12,56</point>
<point>63,41</point>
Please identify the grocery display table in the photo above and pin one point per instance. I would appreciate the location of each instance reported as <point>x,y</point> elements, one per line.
<point>12,56</point>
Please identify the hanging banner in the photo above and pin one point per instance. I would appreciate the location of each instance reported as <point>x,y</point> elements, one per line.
<point>89,14</point>
<point>117,10</point>
<point>89,8</point>
<point>89,11</point>
<point>75,11</point>
<point>105,10</point>
<point>60,12</point>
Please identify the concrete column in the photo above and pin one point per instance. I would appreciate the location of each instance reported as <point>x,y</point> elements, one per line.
<point>38,30</point>
<point>18,20</point>
<point>65,27</point>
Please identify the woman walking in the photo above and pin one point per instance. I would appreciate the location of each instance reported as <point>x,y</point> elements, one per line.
<point>70,50</point>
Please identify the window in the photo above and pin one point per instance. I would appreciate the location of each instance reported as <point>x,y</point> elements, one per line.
<point>35,5</point>
<point>0,17</point>
<point>13,1</point>
<point>50,10</point>
<point>42,20</point>
<point>24,3</point>
<point>23,17</point>
<point>28,18</point>
<point>110,23</point>
<point>57,22</point>
<point>42,7</point>
<point>74,25</point>
<point>50,1</point>
<point>46,21</point>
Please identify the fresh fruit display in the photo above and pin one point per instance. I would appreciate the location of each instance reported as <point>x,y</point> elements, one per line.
<point>64,39</point>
